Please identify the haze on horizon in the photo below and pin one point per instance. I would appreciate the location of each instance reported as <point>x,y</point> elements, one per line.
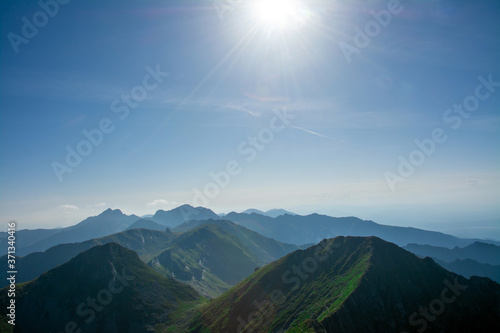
<point>273,107</point>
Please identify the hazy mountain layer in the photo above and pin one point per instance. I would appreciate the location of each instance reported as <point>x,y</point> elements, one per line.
<point>313,228</point>
<point>478,251</point>
<point>107,223</point>
<point>469,267</point>
<point>176,216</point>
<point>147,224</point>
<point>146,243</point>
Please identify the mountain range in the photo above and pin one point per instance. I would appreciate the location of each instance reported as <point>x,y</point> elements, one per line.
<point>345,284</point>
<point>142,241</point>
<point>176,216</point>
<point>191,270</point>
<point>271,213</point>
<point>186,255</point>
<point>287,228</point>
<point>104,289</point>
<point>478,251</point>
<point>478,258</point>
<point>298,229</point>
<point>352,284</point>
<point>107,223</point>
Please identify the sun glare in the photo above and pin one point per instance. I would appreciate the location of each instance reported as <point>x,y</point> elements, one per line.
<point>278,13</point>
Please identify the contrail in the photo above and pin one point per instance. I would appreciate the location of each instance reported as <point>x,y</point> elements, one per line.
<point>240,108</point>
<point>314,133</point>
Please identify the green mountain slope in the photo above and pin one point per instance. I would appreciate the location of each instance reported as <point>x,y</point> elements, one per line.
<point>147,243</point>
<point>352,284</point>
<point>253,250</point>
<point>105,289</point>
<point>208,258</point>
<point>267,249</point>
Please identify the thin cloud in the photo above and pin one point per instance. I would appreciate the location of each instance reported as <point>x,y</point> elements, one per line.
<point>243,109</point>
<point>97,205</point>
<point>157,202</point>
<point>68,209</point>
<point>315,133</point>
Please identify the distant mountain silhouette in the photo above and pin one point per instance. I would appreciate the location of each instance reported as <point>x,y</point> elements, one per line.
<point>287,228</point>
<point>176,216</point>
<point>352,284</point>
<point>476,259</point>
<point>104,224</point>
<point>146,243</point>
<point>147,224</point>
<point>478,251</point>
<point>469,267</point>
<point>26,237</point>
<point>313,228</point>
<point>105,289</point>
<point>253,210</point>
<point>271,213</point>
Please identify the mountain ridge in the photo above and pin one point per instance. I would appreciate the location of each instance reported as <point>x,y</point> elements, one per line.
<point>107,223</point>
<point>315,227</point>
<point>37,263</point>
<point>267,249</point>
<point>208,258</point>
<point>104,288</point>
<point>478,251</point>
<point>351,284</point>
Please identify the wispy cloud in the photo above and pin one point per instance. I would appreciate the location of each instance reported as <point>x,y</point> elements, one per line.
<point>68,209</point>
<point>315,133</point>
<point>97,205</point>
<point>243,109</point>
<point>158,202</point>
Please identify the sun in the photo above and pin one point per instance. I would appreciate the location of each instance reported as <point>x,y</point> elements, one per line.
<point>280,14</point>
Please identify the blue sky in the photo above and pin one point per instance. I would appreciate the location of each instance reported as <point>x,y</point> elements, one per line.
<point>350,119</point>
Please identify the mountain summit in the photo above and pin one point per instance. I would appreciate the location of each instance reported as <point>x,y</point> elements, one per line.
<point>176,216</point>
<point>105,289</point>
<point>354,284</point>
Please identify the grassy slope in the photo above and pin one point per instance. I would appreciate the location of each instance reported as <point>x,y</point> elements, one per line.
<point>319,295</point>
<point>208,258</point>
<point>147,244</point>
<point>365,285</point>
<point>267,249</point>
<point>150,298</point>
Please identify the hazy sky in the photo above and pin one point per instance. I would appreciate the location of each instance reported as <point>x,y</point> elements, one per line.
<point>308,106</point>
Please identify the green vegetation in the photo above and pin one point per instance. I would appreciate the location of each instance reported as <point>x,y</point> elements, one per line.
<point>303,299</point>
<point>208,258</point>
<point>351,284</point>
<point>140,296</point>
